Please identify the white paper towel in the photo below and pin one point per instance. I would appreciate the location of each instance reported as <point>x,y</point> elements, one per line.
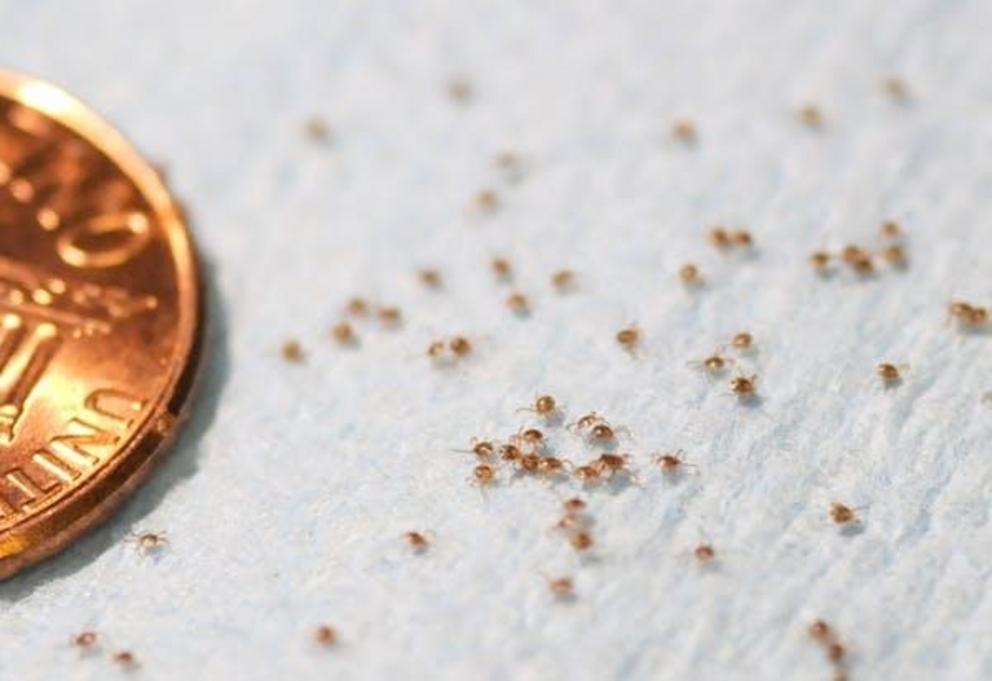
<point>286,498</point>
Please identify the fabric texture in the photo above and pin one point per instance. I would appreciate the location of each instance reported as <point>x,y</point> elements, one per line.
<point>285,499</point>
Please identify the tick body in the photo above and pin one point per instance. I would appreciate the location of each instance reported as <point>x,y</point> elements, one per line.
<point>896,88</point>
<point>891,230</point>
<point>563,280</point>
<point>511,166</point>
<point>574,506</point>
<point>507,160</point>
<point>518,304</point>
<point>126,659</point>
<point>552,465</point>
<point>545,406</point>
<point>325,636</point>
<point>811,116</point>
<point>460,346</point>
<point>743,341</point>
<point>613,464</point>
<point>713,365</point>
<point>483,449</point>
<point>417,541</point>
<point>820,631</point>
<point>596,429</point>
<point>390,316</point>
<point>344,334</point>
<point>85,640</point>
<point>959,310</point>
<point>978,317</point>
<point>149,542</point>
<point>292,351</point>
<point>531,437</point>
<point>460,90</point>
<point>357,307</point>
<point>895,255</point>
<point>742,238</point>
<point>603,432</point>
<point>571,522</point>
<point>587,421</point>
<point>890,374</point>
<point>484,475</point>
<point>671,464</point>
<point>430,278</point>
<point>510,453</point>
<point>487,200</point>
<point>690,275</point>
<point>562,588</point>
<point>719,237</point>
<point>581,541</point>
<point>529,463</point>
<point>705,554</point>
<point>502,268</point>
<point>820,260</point>
<point>629,339</point>
<point>842,514</point>
<point>588,475</point>
<point>318,130</point>
<point>685,132</point>
<point>745,387</point>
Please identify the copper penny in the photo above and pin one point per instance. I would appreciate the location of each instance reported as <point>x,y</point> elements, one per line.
<point>100,319</point>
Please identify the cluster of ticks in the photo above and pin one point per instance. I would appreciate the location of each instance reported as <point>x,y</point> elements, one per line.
<point>862,261</point>
<point>528,453</point>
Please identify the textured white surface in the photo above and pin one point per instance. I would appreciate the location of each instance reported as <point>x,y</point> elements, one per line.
<point>285,499</point>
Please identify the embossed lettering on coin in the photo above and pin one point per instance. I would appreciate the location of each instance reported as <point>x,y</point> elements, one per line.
<point>100,319</point>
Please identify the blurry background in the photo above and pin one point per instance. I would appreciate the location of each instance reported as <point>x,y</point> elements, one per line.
<point>285,500</point>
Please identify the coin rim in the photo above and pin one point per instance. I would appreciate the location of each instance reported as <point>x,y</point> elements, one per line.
<point>92,502</point>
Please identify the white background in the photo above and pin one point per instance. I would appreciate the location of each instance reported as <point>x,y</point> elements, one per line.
<point>286,497</point>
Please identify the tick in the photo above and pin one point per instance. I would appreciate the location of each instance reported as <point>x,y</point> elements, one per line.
<point>325,635</point>
<point>417,541</point>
